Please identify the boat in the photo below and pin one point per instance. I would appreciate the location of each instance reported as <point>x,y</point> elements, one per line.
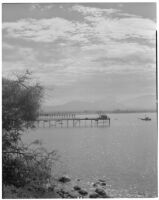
<point>146,119</point>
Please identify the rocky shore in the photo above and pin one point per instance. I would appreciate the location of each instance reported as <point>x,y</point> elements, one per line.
<point>68,188</point>
<point>65,187</point>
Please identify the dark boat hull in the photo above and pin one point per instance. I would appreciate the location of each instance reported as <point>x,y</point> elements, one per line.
<point>145,119</point>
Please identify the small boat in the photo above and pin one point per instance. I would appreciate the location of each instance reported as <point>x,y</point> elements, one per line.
<point>146,119</point>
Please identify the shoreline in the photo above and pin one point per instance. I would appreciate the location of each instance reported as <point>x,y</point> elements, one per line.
<point>96,189</point>
<point>65,187</point>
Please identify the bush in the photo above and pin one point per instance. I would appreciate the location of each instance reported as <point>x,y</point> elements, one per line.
<point>21,164</point>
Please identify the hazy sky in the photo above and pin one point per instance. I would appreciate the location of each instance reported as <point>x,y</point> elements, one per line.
<point>83,52</point>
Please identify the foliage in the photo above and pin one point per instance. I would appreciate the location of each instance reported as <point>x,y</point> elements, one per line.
<point>21,164</point>
<point>27,192</point>
<point>20,103</point>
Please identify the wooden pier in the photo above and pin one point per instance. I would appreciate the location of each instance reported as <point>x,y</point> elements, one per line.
<point>70,120</point>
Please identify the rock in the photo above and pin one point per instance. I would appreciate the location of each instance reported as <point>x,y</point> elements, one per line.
<point>101,180</point>
<point>63,193</point>
<point>96,184</point>
<point>66,194</point>
<point>64,179</point>
<point>83,192</point>
<point>101,192</point>
<point>103,184</point>
<point>94,195</point>
<point>72,196</point>
<point>99,183</point>
<point>76,187</point>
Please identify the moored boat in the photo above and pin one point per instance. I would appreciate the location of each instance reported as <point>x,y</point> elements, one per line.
<point>146,119</point>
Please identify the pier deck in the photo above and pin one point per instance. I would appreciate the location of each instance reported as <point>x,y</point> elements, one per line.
<point>72,122</point>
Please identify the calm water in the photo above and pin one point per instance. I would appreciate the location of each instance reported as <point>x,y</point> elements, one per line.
<point>124,153</point>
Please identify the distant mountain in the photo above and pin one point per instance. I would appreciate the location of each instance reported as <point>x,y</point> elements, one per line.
<point>72,106</point>
<point>81,106</point>
<point>145,102</point>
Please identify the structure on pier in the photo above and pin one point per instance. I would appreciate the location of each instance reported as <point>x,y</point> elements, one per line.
<point>66,120</point>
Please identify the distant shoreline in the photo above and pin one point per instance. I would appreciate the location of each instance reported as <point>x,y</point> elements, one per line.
<point>144,111</point>
<point>102,112</point>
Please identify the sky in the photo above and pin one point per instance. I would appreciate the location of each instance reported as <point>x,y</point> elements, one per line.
<point>99,53</point>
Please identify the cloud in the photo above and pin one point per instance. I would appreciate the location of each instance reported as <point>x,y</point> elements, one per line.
<point>67,64</point>
<point>59,71</point>
<point>47,30</point>
<point>43,30</point>
<point>122,28</point>
<point>7,46</point>
<point>35,6</point>
<point>125,28</point>
<point>63,52</point>
<point>99,25</point>
<point>101,12</point>
<point>96,12</point>
<point>41,7</point>
<point>121,53</point>
<point>115,24</point>
<point>16,53</point>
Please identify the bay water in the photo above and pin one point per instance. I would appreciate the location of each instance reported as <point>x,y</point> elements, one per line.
<point>124,153</point>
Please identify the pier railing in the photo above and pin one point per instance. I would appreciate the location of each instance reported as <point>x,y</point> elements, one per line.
<point>68,120</point>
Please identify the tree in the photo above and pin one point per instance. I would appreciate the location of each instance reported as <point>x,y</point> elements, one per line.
<point>22,165</point>
<point>20,103</point>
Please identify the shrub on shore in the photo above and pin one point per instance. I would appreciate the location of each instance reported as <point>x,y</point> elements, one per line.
<point>21,164</point>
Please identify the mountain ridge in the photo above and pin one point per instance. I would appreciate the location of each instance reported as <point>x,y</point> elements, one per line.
<point>146,102</point>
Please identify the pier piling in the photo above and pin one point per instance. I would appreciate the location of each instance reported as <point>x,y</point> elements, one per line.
<point>57,120</point>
